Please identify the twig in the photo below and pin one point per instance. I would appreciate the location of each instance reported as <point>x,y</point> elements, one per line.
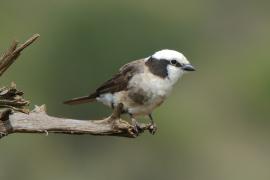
<point>13,53</point>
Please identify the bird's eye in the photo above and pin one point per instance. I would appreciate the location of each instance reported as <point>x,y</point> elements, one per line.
<point>173,62</point>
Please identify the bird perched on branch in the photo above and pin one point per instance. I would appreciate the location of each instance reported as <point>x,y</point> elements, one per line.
<point>141,85</point>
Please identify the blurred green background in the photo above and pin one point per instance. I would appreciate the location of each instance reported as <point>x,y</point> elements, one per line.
<point>214,126</point>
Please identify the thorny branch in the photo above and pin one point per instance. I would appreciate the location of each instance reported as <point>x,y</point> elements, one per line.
<point>15,117</point>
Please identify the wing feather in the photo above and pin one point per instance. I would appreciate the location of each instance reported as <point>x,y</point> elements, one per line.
<point>117,83</point>
<point>120,80</point>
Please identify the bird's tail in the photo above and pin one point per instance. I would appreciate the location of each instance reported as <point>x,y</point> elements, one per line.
<point>80,100</point>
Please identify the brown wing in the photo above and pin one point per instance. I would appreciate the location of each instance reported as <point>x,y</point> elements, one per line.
<point>120,80</point>
<point>117,83</point>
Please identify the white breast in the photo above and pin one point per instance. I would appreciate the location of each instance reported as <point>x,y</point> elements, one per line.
<point>156,88</point>
<point>152,84</point>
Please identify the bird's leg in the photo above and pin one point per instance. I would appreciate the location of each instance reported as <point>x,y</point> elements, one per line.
<point>153,126</point>
<point>135,124</point>
<point>112,105</point>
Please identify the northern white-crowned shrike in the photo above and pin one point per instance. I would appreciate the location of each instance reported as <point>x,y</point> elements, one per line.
<point>141,85</point>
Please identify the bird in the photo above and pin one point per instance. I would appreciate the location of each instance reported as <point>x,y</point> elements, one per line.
<point>141,85</point>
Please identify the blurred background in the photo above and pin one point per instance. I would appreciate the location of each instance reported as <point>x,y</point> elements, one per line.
<point>214,126</point>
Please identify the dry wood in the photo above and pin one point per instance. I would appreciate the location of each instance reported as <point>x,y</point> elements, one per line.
<point>13,53</point>
<point>38,121</point>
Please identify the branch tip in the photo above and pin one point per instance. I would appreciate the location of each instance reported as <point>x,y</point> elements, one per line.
<point>14,52</point>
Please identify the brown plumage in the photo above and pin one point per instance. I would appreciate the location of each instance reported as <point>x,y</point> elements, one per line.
<point>118,82</point>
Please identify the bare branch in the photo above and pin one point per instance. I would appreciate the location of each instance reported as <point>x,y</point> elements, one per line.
<point>38,121</point>
<point>13,53</point>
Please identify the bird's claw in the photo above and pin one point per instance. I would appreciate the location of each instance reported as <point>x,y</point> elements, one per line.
<point>137,129</point>
<point>152,128</point>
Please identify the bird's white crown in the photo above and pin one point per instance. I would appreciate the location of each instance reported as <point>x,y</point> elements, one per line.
<point>168,54</point>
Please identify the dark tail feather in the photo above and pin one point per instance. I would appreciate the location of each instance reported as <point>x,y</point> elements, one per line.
<point>80,100</point>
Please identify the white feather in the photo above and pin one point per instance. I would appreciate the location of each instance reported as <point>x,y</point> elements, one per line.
<point>106,99</point>
<point>170,55</point>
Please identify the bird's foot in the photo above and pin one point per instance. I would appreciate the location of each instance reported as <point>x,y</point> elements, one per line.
<point>137,127</point>
<point>152,128</point>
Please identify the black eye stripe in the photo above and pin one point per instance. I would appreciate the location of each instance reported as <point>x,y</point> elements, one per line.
<point>158,66</point>
<point>164,61</point>
<point>175,63</point>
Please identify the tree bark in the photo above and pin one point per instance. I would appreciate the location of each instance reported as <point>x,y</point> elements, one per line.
<point>37,121</point>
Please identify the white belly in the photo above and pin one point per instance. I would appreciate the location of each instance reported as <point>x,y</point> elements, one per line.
<point>146,109</point>
<point>154,89</point>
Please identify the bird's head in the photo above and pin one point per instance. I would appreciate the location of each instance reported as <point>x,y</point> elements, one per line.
<point>168,64</point>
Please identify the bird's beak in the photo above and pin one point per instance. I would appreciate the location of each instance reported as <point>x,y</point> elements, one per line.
<point>188,67</point>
